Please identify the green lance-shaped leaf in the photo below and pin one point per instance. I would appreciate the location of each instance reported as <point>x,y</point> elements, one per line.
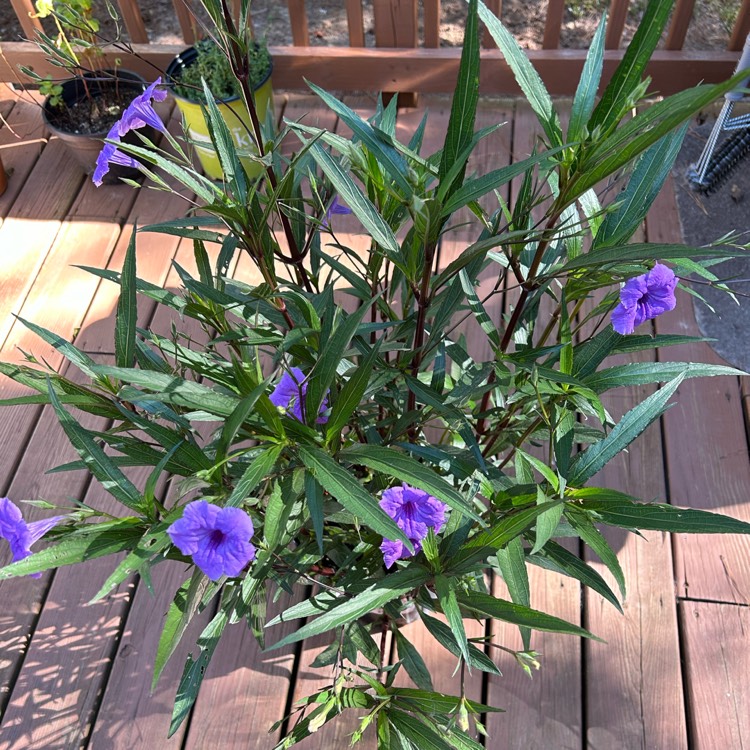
<point>97,540</point>
<point>126,319</point>
<point>231,166</point>
<point>74,355</point>
<point>588,85</point>
<point>444,636</point>
<point>417,733</point>
<point>477,187</point>
<point>356,200</point>
<point>333,350</point>
<point>644,185</point>
<point>525,74</point>
<point>511,560</point>
<point>146,288</point>
<point>174,390</point>
<point>487,542</point>
<point>386,154</point>
<point>464,105</point>
<point>97,461</point>
<point>413,662</point>
<point>386,590</point>
<point>236,419</point>
<point>596,456</point>
<point>627,77</point>
<point>643,373</point>
<point>396,464</point>
<point>555,557</point>
<point>449,604</point>
<point>618,509</point>
<point>195,669</point>
<point>260,467</point>
<point>351,394</point>
<point>314,498</point>
<point>499,609</point>
<point>337,481</point>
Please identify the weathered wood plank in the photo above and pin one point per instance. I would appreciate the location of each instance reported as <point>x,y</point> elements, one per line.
<point>618,12</point>
<point>741,27</point>
<point>421,70</point>
<point>634,698</point>
<point>26,14</point>
<point>131,15</point>
<point>553,24</point>
<point>298,20</point>
<point>681,17</point>
<point>717,662</point>
<point>21,141</point>
<point>431,14</point>
<point>706,448</point>
<point>355,23</point>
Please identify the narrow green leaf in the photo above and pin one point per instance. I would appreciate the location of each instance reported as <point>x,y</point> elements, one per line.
<point>126,319</point>
<point>643,373</point>
<point>588,463</point>
<point>350,493</point>
<point>97,461</point>
<point>588,85</point>
<point>512,563</point>
<point>258,470</point>
<point>413,662</point>
<point>525,74</point>
<point>449,605</point>
<point>443,635</point>
<point>74,355</point>
<point>386,590</point>
<point>499,609</point>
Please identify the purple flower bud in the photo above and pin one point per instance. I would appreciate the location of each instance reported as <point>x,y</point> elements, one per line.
<point>335,208</point>
<point>645,297</point>
<point>19,534</point>
<point>218,539</point>
<point>415,513</point>
<point>290,394</point>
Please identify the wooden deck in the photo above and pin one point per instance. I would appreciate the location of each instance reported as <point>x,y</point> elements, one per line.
<point>674,674</point>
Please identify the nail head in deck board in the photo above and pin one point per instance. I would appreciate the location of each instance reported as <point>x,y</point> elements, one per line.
<point>706,448</point>
<point>717,664</point>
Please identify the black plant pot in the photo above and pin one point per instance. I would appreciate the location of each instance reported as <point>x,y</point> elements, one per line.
<point>85,147</point>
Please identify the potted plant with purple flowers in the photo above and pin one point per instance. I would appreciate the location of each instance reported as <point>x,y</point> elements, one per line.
<point>83,109</point>
<point>355,445</point>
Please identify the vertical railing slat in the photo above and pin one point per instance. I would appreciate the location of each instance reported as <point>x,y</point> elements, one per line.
<point>186,21</point>
<point>741,28</point>
<point>395,23</point>
<point>298,19</point>
<point>131,15</point>
<point>356,23</point>
<point>496,6</point>
<point>555,10</point>
<point>618,12</point>
<point>431,18</point>
<point>29,25</point>
<point>681,17</point>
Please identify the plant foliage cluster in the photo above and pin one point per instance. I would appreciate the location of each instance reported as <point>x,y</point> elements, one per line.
<point>510,442</point>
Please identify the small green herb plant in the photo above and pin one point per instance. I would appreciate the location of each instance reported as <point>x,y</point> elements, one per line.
<point>212,66</point>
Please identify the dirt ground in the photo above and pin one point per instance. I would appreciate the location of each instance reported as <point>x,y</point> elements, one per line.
<point>327,21</point>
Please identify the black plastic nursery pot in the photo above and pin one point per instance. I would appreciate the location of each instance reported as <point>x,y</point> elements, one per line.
<point>85,147</point>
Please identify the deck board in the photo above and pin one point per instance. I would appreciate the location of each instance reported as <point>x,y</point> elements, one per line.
<point>77,676</point>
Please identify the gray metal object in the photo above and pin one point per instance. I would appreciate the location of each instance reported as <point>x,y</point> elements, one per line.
<point>714,166</point>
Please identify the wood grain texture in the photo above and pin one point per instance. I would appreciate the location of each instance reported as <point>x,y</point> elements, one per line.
<point>298,21</point>
<point>131,15</point>
<point>634,692</point>
<point>431,15</point>
<point>706,448</point>
<point>717,662</point>
<point>355,23</point>
<point>681,17</point>
<point>26,12</point>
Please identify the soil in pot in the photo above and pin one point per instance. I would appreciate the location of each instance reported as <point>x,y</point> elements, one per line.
<point>90,107</point>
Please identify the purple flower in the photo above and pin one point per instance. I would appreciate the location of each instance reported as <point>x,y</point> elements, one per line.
<point>290,394</point>
<point>19,534</point>
<point>335,208</point>
<point>138,114</point>
<point>415,513</point>
<point>218,539</point>
<point>644,297</point>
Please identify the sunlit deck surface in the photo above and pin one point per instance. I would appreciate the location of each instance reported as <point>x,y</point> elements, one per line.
<point>673,675</point>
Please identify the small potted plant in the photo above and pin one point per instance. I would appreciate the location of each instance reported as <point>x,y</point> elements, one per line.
<point>206,61</point>
<point>83,109</point>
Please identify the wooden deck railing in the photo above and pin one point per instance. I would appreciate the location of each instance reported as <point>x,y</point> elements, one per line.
<point>398,62</point>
